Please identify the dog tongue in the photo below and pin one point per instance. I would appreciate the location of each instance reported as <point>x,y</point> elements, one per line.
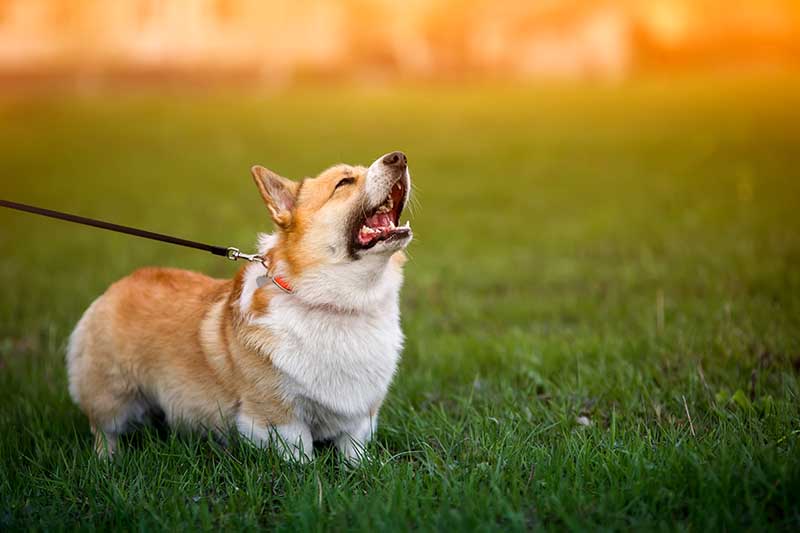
<point>379,220</point>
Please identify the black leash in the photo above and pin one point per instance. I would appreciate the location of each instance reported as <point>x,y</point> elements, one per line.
<point>231,253</point>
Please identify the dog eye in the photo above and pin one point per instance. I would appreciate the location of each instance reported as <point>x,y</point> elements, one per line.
<point>345,181</point>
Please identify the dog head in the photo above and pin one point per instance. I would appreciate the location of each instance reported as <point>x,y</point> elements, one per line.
<point>345,215</point>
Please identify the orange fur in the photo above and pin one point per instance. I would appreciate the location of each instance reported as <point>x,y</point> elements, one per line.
<point>176,333</point>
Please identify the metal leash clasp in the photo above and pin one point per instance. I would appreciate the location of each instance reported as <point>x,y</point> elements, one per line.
<point>234,255</point>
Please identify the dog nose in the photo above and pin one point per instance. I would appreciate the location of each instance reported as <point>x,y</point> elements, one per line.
<point>395,159</point>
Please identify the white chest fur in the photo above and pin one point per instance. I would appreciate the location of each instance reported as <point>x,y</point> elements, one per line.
<point>344,362</point>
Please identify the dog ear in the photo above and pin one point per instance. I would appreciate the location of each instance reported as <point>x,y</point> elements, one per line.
<point>279,193</point>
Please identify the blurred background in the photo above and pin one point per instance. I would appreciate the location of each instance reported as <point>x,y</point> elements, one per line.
<point>637,128</point>
<point>377,40</point>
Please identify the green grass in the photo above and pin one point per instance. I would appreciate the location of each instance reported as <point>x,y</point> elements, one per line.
<point>624,254</point>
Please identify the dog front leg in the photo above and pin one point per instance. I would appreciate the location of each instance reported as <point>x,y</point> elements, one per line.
<point>352,443</point>
<point>292,440</point>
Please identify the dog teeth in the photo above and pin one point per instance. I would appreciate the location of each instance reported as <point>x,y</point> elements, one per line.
<point>386,206</point>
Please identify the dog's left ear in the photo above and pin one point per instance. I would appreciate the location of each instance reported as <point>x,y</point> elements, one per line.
<point>279,193</point>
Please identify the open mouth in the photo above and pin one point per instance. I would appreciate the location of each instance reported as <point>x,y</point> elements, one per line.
<point>382,223</point>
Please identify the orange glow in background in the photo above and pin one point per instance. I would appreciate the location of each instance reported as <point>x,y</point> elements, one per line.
<point>278,41</point>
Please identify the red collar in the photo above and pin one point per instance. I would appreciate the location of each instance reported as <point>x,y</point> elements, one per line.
<point>279,281</point>
<point>282,284</point>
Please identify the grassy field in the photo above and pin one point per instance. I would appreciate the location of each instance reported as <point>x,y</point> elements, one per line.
<point>602,306</point>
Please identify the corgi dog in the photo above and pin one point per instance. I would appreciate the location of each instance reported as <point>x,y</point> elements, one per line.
<point>297,349</point>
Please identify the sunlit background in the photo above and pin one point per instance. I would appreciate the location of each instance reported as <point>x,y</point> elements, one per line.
<point>378,40</point>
